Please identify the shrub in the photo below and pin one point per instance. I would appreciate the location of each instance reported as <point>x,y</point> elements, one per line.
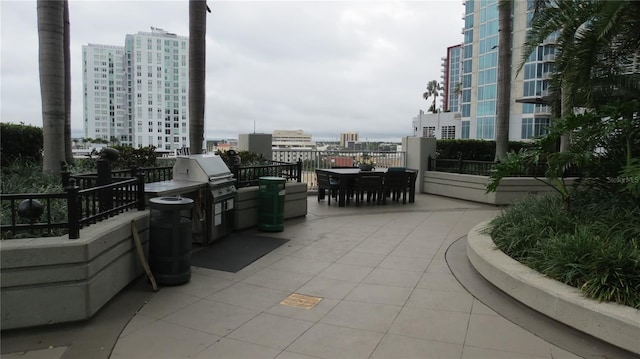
<point>20,142</point>
<point>593,247</point>
<point>473,150</point>
<point>131,157</point>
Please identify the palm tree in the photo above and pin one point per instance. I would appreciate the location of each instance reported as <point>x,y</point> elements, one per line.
<point>197,68</point>
<point>52,81</point>
<point>68,153</point>
<point>433,89</point>
<point>596,41</point>
<point>504,78</point>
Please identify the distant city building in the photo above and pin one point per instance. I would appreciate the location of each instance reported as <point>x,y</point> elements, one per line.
<point>294,139</point>
<point>150,105</point>
<point>104,91</point>
<point>348,137</point>
<point>441,125</point>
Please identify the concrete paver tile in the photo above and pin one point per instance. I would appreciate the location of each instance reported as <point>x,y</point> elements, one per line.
<point>166,302</point>
<point>348,272</point>
<point>438,325</point>
<point>49,353</point>
<point>231,349</point>
<point>163,340</point>
<point>327,288</point>
<point>400,347</point>
<point>277,279</point>
<point>271,330</point>
<point>440,281</point>
<point>291,355</point>
<point>212,317</point>
<point>138,321</point>
<point>503,336</point>
<point>361,259</point>
<point>407,263</point>
<point>300,265</point>
<point>393,277</point>
<point>314,314</point>
<point>359,315</point>
<point>381,294</point>
<point>440,300</point>
<point>335,342</point>
<point>249,296</point>
<point>470,352</point>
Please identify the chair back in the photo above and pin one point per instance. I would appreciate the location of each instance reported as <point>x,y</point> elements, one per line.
<point>323,179</point>
<point>397,180</point>
<point>369,181</point>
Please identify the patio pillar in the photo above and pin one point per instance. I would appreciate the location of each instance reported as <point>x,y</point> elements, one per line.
<point>417,151</point>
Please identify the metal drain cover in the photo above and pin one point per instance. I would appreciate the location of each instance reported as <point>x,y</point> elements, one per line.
<point>301,301</point>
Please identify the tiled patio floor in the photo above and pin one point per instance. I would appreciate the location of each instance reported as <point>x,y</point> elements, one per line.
<point>386,289</point>
<point>387,293</point>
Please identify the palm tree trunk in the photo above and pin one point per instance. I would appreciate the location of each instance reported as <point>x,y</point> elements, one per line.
<point>504,79</point>
<point>52,88</point>
<point>68,153</point>
<point>197,69</point>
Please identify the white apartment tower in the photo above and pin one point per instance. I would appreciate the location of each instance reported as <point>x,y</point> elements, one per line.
<point>104,92</point>
<point>153,68</point>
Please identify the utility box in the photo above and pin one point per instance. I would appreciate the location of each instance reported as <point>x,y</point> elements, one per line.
<point>170,238</point>
<point>271,204</point>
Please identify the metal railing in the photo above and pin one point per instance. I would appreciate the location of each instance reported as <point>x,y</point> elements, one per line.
<point>313,159</point>
<point>70,210</point>
<point>88,180</point>
<point>485,168</point>
<point>247,176</point>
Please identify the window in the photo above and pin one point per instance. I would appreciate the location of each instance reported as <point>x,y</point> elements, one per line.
<point>429,131</point>
<point>465,129</point>
<point>448,132</point>
<point>485,128</point>
<point>534,127</point>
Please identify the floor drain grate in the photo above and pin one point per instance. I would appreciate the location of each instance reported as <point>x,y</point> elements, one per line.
<point>301,301</point>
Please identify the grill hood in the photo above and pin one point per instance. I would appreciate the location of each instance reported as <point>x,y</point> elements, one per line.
<point>201,168</point>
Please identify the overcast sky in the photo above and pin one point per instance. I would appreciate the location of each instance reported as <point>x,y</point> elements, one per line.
<point>324,67</point>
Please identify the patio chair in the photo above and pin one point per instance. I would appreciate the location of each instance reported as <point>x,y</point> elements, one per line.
<point>369,184</point>
<point>397,183</point>
<point>327,185</point>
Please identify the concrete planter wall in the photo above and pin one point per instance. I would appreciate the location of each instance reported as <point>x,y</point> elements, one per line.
<point>55,279</point>
<point>473,188</point>
<point>246,204</point>
<point>614,323</point>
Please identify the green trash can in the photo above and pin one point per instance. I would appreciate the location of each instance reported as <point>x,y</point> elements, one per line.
<point>271,204</point>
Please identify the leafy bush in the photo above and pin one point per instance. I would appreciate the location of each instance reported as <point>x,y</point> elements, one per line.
<point>473,150</point>
<point>131,157</point>
<point>593,247</point>
<point>20,142</point>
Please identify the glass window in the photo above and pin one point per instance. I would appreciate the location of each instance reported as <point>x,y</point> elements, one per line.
<point>527,128</point>
<point>485,128</point>
<point>465,129</point>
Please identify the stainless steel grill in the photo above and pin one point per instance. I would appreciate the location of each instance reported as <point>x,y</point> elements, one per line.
<point>208,181</point>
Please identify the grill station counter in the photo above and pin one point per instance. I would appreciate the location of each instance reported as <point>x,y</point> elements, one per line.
<point>208,181</point>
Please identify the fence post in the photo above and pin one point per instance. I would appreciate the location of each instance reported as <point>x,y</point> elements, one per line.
<point>64,174</point>
<point>460,164</point>
<point>73,209</point>
<point>299,170</point>
<point>104,178</point>
<point>141,197</point>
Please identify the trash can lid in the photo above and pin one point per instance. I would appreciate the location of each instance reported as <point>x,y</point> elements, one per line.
<point>171,201</point>
<point>272,179</point>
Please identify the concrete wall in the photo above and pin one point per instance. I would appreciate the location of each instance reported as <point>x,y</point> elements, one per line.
<point>246,204</point>
<point>55,279</point>
<point>473,188</point>
<point>259,143</point>
<point>418,150</point>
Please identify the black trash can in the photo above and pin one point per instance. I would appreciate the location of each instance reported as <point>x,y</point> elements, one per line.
<point>170,239</point>
<point>271,204</point>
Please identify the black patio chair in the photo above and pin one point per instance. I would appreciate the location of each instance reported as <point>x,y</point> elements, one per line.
<point>369,184</point>
<point>397,183</point>
<point>327,186</point>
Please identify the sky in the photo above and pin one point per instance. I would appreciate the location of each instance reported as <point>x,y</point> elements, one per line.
<point>324,67</point>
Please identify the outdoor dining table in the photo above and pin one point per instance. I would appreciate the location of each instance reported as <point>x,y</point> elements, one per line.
<point>347,177</point>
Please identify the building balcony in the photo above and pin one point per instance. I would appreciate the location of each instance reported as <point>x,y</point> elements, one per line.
<point>549,58</point>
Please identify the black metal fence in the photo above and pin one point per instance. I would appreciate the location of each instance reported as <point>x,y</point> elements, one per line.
<point>485,168</point>
<point>247,176</point>
<point>44,214</point>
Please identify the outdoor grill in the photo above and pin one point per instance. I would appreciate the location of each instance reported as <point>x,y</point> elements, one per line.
<point>208,181</point>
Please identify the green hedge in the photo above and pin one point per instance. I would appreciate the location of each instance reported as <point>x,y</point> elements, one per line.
<point>20,142</point>
<point>474,150</point>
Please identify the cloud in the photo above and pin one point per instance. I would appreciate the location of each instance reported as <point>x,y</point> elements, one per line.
<point>323,67</point>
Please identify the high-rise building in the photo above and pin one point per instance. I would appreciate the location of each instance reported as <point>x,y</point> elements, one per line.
<point>347,137</point>
<point>104,92</point>
<point>451,66</point>
<point>477,93</point>
<point>154,74</point>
